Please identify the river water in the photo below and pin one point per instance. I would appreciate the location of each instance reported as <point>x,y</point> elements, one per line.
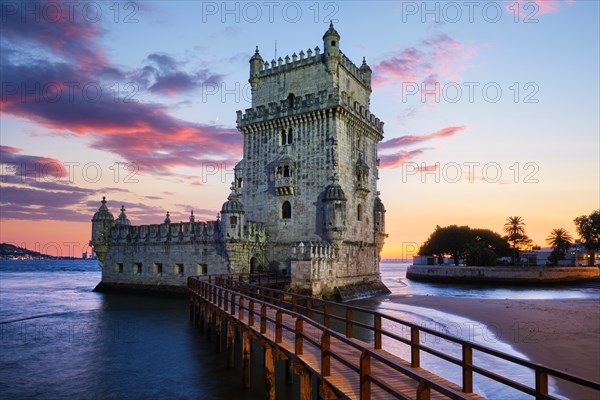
<point>58,339</point>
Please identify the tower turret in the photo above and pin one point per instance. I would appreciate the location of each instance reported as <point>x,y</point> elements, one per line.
<point>366,72</point>
<point>102,222</point>
<point>334,202</point>
<point>232,217</point>
<point>331,46</point>
<point>256,65</point>
<point>379,219</point>
<point>122,220</point>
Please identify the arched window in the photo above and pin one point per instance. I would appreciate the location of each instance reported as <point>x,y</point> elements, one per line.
<point>359,211</point>
<point>286,172</point>
<point>291,99</point>
<point>233,220</point>
<point>333,43</point>
<point>286,210</point>
<point>289,136</point>
<point>283,139</point>
<point>240,182</point>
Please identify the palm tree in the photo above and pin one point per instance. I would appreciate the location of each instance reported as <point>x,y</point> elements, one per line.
<point>515,233</point>
<point>560,239</point>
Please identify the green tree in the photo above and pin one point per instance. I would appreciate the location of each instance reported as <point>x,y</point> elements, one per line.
<point>480,255</point>
<point>588,228</point>
<point>450,240</point>
<point>492,241</point>
<point>515,234</point>
<point>476,246</point>
<point>561,240</point>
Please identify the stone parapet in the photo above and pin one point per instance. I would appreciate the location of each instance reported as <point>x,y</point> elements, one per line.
<point>311,103</point>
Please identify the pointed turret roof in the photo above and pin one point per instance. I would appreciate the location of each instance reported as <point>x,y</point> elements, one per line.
<point>331,31</point>
<point>103,214</point>
<point>122,220</point>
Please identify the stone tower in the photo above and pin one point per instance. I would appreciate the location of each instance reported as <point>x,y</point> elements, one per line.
<point>102,222</point>
<point>309,171</point>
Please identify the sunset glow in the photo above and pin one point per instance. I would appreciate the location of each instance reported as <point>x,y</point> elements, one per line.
<point>489,111</point>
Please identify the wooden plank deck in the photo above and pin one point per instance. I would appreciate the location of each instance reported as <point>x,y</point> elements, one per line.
<point>343,379</point>
<point>357,369</point>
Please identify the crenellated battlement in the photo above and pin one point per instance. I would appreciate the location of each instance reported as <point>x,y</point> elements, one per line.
<point>179,232</point>
<point>354,70</point>
<point>300,60</point>
<point>307,104</point>
<point>288,63</point>
<point>313,250</point>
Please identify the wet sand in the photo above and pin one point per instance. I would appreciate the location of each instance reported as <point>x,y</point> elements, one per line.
<point>561,334</point>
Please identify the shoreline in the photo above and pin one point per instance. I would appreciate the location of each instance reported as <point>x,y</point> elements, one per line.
<point>561,334</point>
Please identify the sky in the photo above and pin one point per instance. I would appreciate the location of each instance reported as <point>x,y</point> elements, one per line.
<point>491,109</point>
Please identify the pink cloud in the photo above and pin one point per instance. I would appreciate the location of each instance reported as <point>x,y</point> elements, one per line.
<point>439,56</point>
<point>531,8</point>
<point>410,139</point>
<point>397,159</point>
<point>144,133</point>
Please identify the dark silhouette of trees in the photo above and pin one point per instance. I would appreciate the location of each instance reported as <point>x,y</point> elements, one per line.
<point>588,228</point>
<point>515,234</point>
<point>476,246</point>
<point>561,240</point>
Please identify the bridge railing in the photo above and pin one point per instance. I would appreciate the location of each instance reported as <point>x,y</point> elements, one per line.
<point>243,307</point>
<point>263,278</point>
<point>312,307</point>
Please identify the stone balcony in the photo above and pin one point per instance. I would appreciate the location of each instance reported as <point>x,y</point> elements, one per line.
<point>284,185</point>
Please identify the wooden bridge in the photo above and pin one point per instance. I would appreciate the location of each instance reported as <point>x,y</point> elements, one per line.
<point>342,345</point>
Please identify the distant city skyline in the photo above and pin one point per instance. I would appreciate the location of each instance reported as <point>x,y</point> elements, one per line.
<point>490,109</point>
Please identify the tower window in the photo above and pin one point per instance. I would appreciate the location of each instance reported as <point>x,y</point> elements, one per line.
<point>137,268</point>
<point>240,182</point>
<point>283,138</point>
<point>359,212</point>
<point>289,136</point>
<point>178,269</point>
<point>158,268</point>
<point>233,220</point>
<point>202,269</point>
<point>286,172</point>
<point>333,43</point>
<point>286,210</point>
<point>291,99</point>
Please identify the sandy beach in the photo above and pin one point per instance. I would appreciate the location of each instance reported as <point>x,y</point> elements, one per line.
<point>562,334</point>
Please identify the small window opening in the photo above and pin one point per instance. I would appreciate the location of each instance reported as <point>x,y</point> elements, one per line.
<point>283,138</point>
<point>233,220</point>
<point>137,268</point>
<point>291,100</point>
<point>359,211</point>
<point>287,172</point>
<point>333,43</point>
<point>202,269</point>
<point>286,210</point>
<point>158,268</point>
<point>119,268</point>
<point>178,269</point>
<point>289,136</point>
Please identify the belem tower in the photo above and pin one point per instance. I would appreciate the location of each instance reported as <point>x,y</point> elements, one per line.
<point>304,201</point>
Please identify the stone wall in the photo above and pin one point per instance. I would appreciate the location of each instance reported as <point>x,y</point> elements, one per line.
<point>501,274</point>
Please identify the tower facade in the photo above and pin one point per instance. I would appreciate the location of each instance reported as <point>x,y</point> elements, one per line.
<point>309,171</point>
<point>304,200</point>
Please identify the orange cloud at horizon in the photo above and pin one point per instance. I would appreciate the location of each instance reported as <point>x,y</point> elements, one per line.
<point>56,238</point>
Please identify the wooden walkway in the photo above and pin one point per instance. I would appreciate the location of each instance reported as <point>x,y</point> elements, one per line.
<point>288,328</point>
